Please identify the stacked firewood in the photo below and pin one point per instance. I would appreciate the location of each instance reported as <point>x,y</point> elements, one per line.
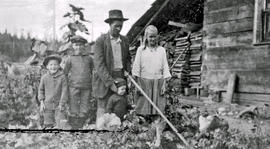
<point>180,66</point>
<point>185,60</point>
<point>195,61</point>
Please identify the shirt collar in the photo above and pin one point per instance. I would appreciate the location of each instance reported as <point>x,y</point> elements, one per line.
<point>118,39</point>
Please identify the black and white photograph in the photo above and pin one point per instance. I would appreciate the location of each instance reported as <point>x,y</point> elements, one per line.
<point>135,74</point>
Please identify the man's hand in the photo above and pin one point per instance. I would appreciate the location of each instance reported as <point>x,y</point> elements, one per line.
<point>126,73</point>
<point>42,107</point>
<point>114,88</point>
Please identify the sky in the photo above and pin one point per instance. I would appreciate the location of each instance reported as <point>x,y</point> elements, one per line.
<point>35,16</point>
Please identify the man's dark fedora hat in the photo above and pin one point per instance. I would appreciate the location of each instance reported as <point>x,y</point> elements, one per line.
<point>115,15</point>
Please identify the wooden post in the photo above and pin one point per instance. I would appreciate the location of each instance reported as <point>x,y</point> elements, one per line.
<point>230,88</point>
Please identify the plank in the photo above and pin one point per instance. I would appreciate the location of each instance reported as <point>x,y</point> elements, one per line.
<point>241,97</point>
<point>229,14</point>
<point>240,25</point>
<point>231,39</point>
<point>190,101</point>
<point>258,21</point>
<point>230,88</point>
<point>249,81</point>
<point>237,57</point>
<point>221,4</point>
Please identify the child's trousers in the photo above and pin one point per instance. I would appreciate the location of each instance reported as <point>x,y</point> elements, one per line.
<point>79,101</point>
<point>51,117</point>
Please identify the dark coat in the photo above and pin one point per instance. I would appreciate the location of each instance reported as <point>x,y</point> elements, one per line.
<point>118,105</point>
<point>103,64</point>
<point>53,90</point>
<point>79,68</point>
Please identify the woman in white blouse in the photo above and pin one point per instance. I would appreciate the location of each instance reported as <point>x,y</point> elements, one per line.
<point>151,69</point>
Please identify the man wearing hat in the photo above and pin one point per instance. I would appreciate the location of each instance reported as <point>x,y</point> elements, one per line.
<point>111,59</point>
<point>78,68</point>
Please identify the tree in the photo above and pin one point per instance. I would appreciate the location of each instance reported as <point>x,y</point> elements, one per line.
<point>76,24</point>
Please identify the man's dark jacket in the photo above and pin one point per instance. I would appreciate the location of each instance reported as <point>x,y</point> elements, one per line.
<point>104,64</point>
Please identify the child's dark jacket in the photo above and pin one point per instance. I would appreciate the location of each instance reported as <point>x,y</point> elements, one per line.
<point>118,105</point>
<point>79,68</point>
<point>53,90</point>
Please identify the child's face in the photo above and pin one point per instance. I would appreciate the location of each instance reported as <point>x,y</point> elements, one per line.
<point>121,90</point>
<point>53,66</point>
<point>78,47</point>
<point>152,39</point>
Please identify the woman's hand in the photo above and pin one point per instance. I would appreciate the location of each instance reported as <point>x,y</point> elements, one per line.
<point>163,88</point>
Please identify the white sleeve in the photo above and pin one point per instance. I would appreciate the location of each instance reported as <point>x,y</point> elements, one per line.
<point>136,68</point>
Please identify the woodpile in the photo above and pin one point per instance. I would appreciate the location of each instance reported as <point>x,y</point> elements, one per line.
<point>185,59</point>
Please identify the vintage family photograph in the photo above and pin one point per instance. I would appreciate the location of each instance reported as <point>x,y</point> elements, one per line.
<point>135,74</point>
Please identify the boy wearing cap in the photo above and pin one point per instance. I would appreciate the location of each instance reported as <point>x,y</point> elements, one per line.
<point>79,68</point>
<point>117,102</point>
<point>53,91</point>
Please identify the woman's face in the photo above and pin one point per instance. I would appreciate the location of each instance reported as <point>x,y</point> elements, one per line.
<point>152,39</point>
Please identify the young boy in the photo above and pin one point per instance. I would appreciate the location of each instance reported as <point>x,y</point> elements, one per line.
<point>53,91</point>
<point>79,68</point>
<point>118,103</point>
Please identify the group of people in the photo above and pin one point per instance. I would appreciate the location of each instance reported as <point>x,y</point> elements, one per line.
<point>104,77</point>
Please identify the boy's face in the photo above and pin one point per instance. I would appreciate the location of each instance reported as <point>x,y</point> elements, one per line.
<point>53,66</point>
<point>78,47</point>
<point>121,90</point>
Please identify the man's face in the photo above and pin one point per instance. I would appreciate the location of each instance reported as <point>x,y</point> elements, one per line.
<point>78,47</point>
<point>121,90</point>
<point>116,27</point>
<point>53,66</point>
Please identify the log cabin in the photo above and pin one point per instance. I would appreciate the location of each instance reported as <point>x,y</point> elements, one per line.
<point>236,39</point>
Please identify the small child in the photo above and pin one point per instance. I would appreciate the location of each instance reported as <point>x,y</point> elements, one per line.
<point>53,91</point>
<point>118,103</point>
<point>79,68</point>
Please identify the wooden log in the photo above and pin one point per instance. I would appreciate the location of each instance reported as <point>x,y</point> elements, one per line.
<point>249,81</point>
<point>221,4</point>
<point>249,98</point>
<point>189,27</point>
<point>230,88</point>
<point>229,14</point>
<point>241,25</point>
<point>237,58</point>
<point>191,101</point>
<point>225,40</point>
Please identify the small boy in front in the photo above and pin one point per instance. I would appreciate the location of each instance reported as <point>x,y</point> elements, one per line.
<point>53,91</point>
<point>79,68</point>
<point>118,103</point>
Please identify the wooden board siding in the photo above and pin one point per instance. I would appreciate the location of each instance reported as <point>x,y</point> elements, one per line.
<point>228,14</point>
<point>228,28</point>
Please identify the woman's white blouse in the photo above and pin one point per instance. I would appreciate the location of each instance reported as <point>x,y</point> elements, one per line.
<point>151,63</point>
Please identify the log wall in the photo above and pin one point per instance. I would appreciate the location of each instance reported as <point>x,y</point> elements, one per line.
<point>228,36</point>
